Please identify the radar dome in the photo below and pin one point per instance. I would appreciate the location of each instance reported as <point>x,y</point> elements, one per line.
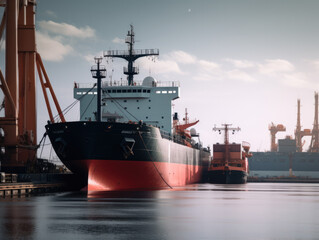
<point>193,132</point>
<point>149,82</point>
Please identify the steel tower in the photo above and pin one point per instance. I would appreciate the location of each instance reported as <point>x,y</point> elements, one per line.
<point>314,145</point>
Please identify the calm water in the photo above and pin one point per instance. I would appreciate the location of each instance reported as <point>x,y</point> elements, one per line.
<point>251,211</point>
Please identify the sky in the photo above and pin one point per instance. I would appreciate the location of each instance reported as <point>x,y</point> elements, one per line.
<point>243,62</point>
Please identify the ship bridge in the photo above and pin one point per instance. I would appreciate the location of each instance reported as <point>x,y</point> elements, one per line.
<point>148,100</point>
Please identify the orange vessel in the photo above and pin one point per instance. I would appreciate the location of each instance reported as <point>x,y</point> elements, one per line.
<point>230,161</point>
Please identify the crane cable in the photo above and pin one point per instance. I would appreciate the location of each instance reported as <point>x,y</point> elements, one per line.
<point>68,108</point>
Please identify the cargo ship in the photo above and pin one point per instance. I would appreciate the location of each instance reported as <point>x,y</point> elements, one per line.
<point>286,162</point>
<point>229,164</point>
<point>288,158</point>
<point>127,136</point>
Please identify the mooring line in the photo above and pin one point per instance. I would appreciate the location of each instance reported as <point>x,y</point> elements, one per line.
<point>153,162</point>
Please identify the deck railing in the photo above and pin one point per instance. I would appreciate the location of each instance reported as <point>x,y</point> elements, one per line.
<point>125,53</point>
<point>109,83</point>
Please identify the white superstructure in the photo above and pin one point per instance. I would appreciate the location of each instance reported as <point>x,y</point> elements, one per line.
<point>149,101</point>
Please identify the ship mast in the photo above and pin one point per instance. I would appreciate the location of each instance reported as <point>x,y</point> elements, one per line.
<point>131,55</point>
<point>226,128</point>
<point>98,72</point>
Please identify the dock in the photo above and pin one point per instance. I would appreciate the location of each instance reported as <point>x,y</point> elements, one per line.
<point>20,189</point>
<point>28,184</point>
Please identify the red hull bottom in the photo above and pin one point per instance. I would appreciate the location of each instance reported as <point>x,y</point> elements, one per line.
<point>111,175</point>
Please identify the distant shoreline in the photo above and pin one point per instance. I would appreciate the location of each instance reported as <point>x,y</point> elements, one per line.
<point>284,180</point>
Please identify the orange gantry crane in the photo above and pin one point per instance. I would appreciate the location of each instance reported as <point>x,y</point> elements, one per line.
<point>299,134</point>
<point>18,127</point>
<point>314,144</point>
<point>273,131</point>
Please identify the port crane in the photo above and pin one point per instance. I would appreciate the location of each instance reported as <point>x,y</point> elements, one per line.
<point>274,129</point>
<point>299,134</point>
<point>18,127</point>
<point>314,144</point>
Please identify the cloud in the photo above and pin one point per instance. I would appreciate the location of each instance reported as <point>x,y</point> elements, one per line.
<point>208,71</point>
<point>52,49</point>
<point>205,77</point>
<point>315,63</point>
<point>241,63</point>
<point>297,80</point>
<point>182,57</point>
<point>118,40</point>
<point>66,29</point>
<point>50,13</point>
<point>208,66</point>
<point>160,66</point>
<point>274,66</point>
<point>90,57</point>
<point>240,75</point>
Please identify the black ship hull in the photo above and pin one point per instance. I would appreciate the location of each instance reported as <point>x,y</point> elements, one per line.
<point>227,176</point>
<point>116,156</point>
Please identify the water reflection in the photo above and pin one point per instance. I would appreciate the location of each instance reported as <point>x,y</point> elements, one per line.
<point>19,221</point>
<point>205,211</point>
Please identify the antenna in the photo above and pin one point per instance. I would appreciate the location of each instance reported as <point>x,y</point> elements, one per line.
<point>131,55</point>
